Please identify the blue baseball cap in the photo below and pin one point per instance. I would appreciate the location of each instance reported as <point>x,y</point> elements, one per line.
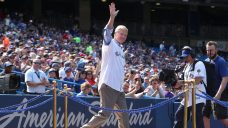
<point>67,64</point>
<point>185,53</point>
<point>186,50</point>
<point>51,70</point>
<point>68,69</point>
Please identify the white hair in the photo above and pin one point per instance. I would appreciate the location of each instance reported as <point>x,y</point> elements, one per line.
<point>121,27</point>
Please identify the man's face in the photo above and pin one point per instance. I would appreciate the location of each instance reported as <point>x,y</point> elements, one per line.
<point>121,36</point>
<point>52,75</point>
<point>155,84</point>
<point>126,86</point>
<point>9,68</point>
<point>186,59</point>
<point>36,64</point>
<point>211,51</point>
<point>146,80</point>
<point>68,73</point>
<point>88,90</point>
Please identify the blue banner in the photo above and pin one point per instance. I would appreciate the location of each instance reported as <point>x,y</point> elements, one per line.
<point>42,117</point>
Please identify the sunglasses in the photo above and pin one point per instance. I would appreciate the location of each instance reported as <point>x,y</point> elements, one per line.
<point>37,63</point>
<point>154,83</point>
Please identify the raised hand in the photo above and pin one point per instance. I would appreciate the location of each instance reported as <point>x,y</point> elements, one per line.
<point>146,90</point>
<point>112,9</point>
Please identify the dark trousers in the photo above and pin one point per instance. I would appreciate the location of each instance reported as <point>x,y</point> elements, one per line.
<point>179,116</point>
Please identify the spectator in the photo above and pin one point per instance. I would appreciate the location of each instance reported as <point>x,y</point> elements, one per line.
<point>131,76</point>
<point>36,80</point>
<point>145,82</point>
<point>79,79</point>
<point>69,78</point>
<point>138,84</point>
<point>155,90</point>
<point>56,66</point>
<point>85,89</point>
<point>90,78</point>
<point>51,73</point>
<point>162,46</point>
<point>172,50</point>
<point>8,67</point>
<point>168,92</point>
<point>62,73</point>
<point>132,93</point>
<point>6,42</point>
<point>26,63</point>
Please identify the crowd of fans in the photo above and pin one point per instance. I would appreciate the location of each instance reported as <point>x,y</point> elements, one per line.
<point>73,58</point>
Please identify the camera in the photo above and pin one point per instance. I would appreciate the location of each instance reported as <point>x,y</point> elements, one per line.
<point>9,82</point>
<point>171,76</point>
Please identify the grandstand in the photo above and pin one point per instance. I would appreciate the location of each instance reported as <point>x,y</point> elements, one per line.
<point>180,22</point>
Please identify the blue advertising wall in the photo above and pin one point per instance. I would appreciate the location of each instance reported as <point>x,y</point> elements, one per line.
<point>41,117</point>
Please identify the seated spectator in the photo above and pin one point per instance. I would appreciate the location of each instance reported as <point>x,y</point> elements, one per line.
<point>68,78</point>
<point>79,79</point>
<point>85,89</point>
<point>147,72</point>
<point>137,84</point>
<point>25,63</point>
<point>90,78</point>
<point>8,67</point>
<point>132,93</point>
<point>168,92</point>
<point>131,76</point>
<point>155,90</point>
<point>51,74</point>
<point>3,59</point>
<point>62,73</point>
<point>56,66</point>
<point>146,82</point>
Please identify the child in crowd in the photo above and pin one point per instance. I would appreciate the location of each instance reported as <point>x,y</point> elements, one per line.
<point>85,89</point>
<point>68,78</point>
<point>79,79</point>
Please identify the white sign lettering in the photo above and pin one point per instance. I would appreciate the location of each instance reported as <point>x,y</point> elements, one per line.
<point>27,119</point>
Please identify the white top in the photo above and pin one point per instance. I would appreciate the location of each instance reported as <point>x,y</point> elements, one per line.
<point>199,71</point>
<point>112,64</point>
<point>7,21</point>
<point>151,91</point>
<point>62,73</point>
<point>162,46</point>
<point>30,75</point>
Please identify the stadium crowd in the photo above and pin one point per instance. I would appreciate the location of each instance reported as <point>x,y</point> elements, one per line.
<point>74,57</point>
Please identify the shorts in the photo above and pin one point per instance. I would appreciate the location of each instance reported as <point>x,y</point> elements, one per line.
<point>207,109</point>
<point>221,112</point>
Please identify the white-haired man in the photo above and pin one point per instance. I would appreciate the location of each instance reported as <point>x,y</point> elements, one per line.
<point>112,74</point>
